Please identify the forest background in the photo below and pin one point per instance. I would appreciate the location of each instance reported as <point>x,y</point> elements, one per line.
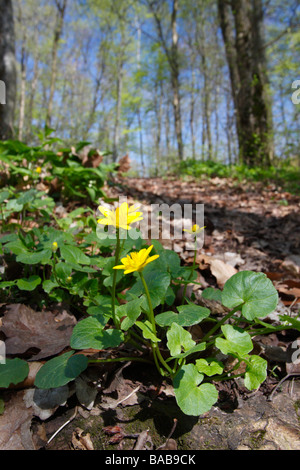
<point>165,81</point>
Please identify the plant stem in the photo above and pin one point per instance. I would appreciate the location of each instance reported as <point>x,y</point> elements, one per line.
<point>155,348</point>
<point>113,295</point>
<point>221,322</point>
<point>119,359</point>
<point>150,313</point>
<point>192,271</point>
<point>54,261</point>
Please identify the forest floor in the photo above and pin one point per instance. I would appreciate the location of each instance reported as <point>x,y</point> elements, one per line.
<point>249,226</point>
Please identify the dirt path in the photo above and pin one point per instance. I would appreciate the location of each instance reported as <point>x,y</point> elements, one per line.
<point>252,226</point>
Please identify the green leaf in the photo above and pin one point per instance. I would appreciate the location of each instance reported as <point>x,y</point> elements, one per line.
<point>237,342</point>
<point>157,283</point>
<point>212,294</point>
<point>188,315</point>
<point>179,338</point>
<point>209,368</point>
<point>63,270</point>
<point>5,284</point>
<point>199,347</point>
<point>61,370</point>
<point>146,328</point>
<point>3,195</point>
<point>29,284</point>
<point>17,247</point>
<point>193,399</point>
<point>13,371</point>
<point>36,257</point>
<point>256,372</point>
<point>131,311</point>
<point>90,333</point>
<point>73,254</point>
<point>49,285</point>
<point>254,291</point>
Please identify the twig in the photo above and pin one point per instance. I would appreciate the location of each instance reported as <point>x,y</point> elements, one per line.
<point>65,424</point>
<point>270,398</point>
<point>170,435</point>
<point>126,398</point>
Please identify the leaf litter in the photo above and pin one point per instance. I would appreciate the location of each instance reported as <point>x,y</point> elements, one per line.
<point>246,230</point>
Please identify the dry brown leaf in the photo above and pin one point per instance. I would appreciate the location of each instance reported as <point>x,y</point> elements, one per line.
<point>124,165</point>
<point>27,329</point>
<point>15,424</point>
<point>81,442</point>
<point>222,271</point>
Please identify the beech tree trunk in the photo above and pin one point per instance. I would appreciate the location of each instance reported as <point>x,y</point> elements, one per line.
<point>241,23</point>
<point>8,74</point>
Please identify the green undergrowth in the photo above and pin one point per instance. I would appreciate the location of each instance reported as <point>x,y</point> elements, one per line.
<point>285,175</point>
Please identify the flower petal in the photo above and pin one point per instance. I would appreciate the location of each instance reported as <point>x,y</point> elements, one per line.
<point>152,258</point>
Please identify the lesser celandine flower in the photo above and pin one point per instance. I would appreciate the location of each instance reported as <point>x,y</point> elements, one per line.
<point>54,246</point>
<point>122,217</point>
<point>38,170</point>
<point>136,261</point>
<point>194,230</point>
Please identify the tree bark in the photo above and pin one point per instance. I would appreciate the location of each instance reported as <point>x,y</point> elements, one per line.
<point>61,9</point>
<point>172,55</point>
<point>8,74</point>
<point>241,23</point>
<point>175,80</point>
<point>116,134</point>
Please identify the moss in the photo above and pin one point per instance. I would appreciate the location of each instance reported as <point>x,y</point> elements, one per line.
<point>297,408</point>
<point>256,439</point>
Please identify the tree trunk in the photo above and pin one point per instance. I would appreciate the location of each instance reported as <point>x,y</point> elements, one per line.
<point>175,80</point>
<point>241,24</point>
<point>61,9</point>
<point>116,135</point>
<point>22,94</point>
<point>192,115</point>
<point>172,57</point>
<point>8,75</point>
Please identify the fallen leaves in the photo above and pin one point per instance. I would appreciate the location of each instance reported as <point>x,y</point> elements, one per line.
<point>39,334</point>
<point>81,441</point>
<point>15,424</point>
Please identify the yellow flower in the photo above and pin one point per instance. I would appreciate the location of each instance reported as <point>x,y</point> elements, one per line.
<point>54,246</point>
<point>38,170</point>
<point>122,217</point>
<point>136,261</point>
<point>194,230</point>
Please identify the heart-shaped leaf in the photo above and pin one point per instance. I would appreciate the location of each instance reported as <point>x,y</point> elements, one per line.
<point>209,368</point>
<point>193,399</point>
<point>73,254</point>
<point>157,283</point>
<point>212,294</point>
<point>253,291</point>
<point>256,372</point>
<point>197,348</point>
<point>29,284</point>
<point>60,370</point>
<point>131,311</point>
<point>188,315</point>
<point>35,257</point>
<point>237,342</point>
<point>179,338</point>
<point>90,333</point>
